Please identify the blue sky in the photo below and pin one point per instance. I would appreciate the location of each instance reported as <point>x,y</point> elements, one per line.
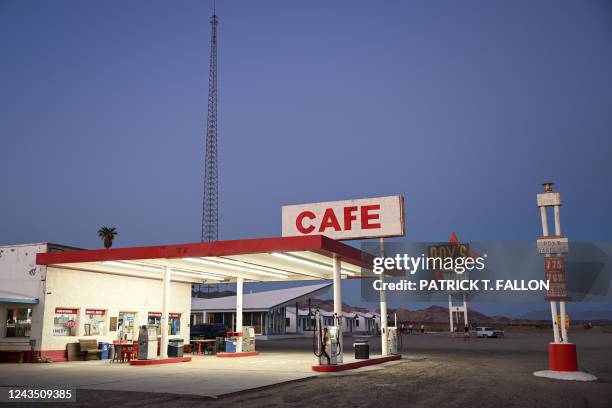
<point>462,107</point>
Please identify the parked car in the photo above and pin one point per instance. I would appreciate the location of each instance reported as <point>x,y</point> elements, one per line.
<point>488,332</point>
<point>207,331</point>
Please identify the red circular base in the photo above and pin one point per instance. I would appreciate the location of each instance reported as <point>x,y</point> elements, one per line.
<point>562,357</point>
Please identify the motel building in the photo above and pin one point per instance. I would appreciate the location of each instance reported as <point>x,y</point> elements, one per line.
<point>352,322</point>
<point>272,313</point>
<point>52,295</point>
<point>266,311</point>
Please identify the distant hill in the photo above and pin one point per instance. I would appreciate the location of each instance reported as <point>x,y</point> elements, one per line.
<point>580,315</point>
<point>432,314</point>
<point>439,314</point>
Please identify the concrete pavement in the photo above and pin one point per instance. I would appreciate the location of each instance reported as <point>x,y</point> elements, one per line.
<point>207,376</point>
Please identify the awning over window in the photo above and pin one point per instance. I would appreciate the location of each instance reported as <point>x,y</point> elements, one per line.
<point>14,297</point>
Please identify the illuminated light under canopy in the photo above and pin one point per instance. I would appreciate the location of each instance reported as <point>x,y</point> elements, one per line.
<point>160,269</point>
<point>308,262</point>
<point>240,269</point>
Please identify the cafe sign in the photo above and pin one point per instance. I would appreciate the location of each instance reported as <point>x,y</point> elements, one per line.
<point>348,219</point>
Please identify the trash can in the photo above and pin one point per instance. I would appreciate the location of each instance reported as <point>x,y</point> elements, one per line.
<point>230,346</point>
<point>175,347</point>
<point>105,354</point>
<point>362,350</point>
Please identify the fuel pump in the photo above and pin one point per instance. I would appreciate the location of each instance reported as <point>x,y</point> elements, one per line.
<point>326,341</point>
<point>392,338</point>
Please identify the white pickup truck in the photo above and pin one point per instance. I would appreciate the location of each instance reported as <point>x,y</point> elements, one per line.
<point>488,332</point>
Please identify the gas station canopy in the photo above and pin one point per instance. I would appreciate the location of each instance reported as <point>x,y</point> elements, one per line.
<point>256,260</point>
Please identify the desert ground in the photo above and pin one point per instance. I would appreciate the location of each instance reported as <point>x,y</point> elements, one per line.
<point>436,371</point>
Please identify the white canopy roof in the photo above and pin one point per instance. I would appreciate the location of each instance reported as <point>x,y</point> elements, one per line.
<point>259,300</point>
<point>263,259</point>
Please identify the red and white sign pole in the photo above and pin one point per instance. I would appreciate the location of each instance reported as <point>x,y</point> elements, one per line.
<point>562,359</point>
<point>384,324</point>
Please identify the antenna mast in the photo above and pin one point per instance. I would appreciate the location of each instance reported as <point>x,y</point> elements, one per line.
<point>210,210</point>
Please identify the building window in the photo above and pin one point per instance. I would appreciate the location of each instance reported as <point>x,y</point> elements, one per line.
<point>257,319</point>
<point>357,323</point>
<point>174,322</point>
<point>65,321</point>
<point>18,322</point>
<point>154,319</point>
<point>126,326</point>
<point>95,322</point>
<point>287,322</point>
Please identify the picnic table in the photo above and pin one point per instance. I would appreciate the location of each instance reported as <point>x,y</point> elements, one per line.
<point>199,342</point>
<point>124,351</point>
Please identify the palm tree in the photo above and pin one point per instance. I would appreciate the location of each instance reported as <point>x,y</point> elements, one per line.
<point>107,234</point>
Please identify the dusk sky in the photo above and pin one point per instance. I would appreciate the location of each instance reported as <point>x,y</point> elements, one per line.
<point>465,108</point>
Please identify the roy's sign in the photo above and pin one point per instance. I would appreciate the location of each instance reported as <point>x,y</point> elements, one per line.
<point>349,219</point>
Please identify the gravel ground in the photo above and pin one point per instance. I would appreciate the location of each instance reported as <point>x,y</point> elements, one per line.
<point>437,371</point>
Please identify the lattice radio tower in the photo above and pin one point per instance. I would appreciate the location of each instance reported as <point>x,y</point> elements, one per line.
<point>210,210</point>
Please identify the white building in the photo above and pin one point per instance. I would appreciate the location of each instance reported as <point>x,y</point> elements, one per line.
<point>367,322</point>
<point>266,311</point>
<point>52,295</point>
<point>352,322</point>
<point>43,308</point>
<point>274,312</point>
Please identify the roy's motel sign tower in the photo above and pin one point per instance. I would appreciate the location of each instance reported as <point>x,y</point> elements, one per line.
<point>562,360</point>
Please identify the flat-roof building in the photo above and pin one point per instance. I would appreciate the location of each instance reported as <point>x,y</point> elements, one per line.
<point>53,295</point>
<point>266,311</point>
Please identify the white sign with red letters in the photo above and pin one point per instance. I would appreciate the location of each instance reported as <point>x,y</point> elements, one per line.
<point>349,219</point>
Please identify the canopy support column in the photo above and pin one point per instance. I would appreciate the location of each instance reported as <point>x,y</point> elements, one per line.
<point>163,348</point>
<point>338,302</point>
<point>239,293</point>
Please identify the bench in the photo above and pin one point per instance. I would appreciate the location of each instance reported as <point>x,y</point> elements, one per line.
<point>89,347</point>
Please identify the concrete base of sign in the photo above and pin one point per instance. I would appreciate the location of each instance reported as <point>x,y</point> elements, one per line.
<point>355,364</point>
<point>566,375</point>
<point>562,357</point>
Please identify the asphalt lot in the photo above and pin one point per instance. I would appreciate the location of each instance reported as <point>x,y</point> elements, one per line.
<point>437,371</point>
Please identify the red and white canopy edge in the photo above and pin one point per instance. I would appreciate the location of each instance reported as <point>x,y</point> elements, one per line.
<point>267,259</point>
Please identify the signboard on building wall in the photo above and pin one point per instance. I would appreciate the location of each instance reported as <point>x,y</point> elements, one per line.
<point>66,311</point>
<point>159,314</point>
<point>347,219</point>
